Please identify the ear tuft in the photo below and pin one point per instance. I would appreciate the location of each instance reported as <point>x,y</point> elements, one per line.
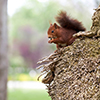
<point>50,23</point>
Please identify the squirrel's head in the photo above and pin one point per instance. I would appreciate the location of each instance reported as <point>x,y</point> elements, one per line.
<point>53,30</point>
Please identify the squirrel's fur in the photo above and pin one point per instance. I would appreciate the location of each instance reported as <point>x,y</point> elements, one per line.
<point>66,22</point>
<point>63,35</point>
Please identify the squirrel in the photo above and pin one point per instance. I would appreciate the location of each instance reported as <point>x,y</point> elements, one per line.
<point>63,35</point>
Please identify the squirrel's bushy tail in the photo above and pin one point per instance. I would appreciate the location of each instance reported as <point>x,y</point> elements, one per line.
<point>66,22</point>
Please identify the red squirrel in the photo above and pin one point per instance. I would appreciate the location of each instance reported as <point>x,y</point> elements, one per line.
<point>63,35</point>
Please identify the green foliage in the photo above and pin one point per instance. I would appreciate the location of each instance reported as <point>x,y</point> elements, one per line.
<point>16,61</point>
<point>27,94</point>
<point>35,15</point>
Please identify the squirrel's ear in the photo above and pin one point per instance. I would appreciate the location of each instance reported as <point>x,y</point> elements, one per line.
<point>50,23</point>
<point>56,26</point>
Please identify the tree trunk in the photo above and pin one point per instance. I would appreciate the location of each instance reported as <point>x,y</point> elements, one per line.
<point>3,50</point>
<point>73,72</point>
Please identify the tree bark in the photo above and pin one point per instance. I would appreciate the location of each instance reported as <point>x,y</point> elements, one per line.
<point>3,50</point>
<point>73,72</point>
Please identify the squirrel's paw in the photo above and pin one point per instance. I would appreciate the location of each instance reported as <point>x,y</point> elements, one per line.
<point>50,41</point>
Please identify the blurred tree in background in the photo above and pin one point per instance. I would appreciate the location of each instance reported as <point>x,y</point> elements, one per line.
<point>3,50</point>
<point>29,25</point>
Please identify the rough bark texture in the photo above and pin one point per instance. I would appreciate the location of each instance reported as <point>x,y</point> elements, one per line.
<point>3,49</point>
<point>73,72</point>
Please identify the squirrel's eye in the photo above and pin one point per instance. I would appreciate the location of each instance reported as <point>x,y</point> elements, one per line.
<point>52,31</point>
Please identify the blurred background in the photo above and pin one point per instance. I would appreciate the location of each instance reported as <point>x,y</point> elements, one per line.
<point>28,22</point>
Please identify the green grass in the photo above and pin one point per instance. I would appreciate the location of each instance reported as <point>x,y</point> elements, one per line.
<point>27,94</point>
